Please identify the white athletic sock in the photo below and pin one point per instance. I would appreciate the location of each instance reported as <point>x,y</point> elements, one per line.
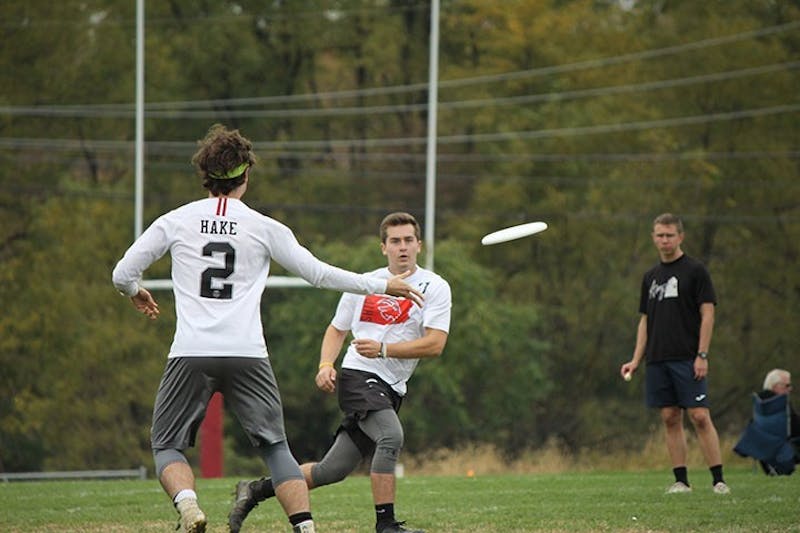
<point>184,495</point>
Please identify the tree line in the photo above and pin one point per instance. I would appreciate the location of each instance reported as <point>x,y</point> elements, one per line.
<point>591,116</point>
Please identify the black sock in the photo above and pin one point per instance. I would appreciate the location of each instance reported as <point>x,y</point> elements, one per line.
<point>681,475</point>
<point>262,488</point>
<point>384,513</point>
<point>716,474</point>
<point>298,518</point>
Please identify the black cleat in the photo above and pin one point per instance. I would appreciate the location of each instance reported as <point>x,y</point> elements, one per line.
<point>244,502</point>
<point>396,527</point>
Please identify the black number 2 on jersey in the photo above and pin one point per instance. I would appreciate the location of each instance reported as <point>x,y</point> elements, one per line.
<point>206,290</point>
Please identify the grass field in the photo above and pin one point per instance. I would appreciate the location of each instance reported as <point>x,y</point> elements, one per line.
<point>574,502</point>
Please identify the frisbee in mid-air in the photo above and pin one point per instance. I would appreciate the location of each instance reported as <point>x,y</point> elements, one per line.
<point>514,232</point>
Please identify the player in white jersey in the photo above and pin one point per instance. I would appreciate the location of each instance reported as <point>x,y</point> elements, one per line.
<point>390,337</point>
<point>221,252</point>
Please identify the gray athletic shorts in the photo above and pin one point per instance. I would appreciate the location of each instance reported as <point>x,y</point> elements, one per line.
<point>247,384</point>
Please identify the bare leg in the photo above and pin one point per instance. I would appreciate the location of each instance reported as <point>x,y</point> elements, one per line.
<point>706,435</point>
<point>672,417</point>
<point>293,495</point>
<point>176,477</point>
<point>383,488</point>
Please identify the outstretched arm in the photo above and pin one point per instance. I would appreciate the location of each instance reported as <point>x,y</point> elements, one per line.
<point>300,261</point>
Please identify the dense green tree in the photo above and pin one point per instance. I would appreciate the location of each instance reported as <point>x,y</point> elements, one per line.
<point>79,363</point>
<point>592,116</point>
<point>601,195</point>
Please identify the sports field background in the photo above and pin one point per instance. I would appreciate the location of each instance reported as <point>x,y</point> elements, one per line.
<point>472,490</point>
<point>591,115</point>
<point>567,502</point>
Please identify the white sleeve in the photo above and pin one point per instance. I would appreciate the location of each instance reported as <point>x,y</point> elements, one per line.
<point>146,250</point>
<point>343,318</point>
<point>298,260</point>
<point>436,311</point>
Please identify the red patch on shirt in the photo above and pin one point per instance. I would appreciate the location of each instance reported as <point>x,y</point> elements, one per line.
<point>384,310</point>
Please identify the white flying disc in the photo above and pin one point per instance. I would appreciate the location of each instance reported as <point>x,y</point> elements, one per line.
<point>514,232</point>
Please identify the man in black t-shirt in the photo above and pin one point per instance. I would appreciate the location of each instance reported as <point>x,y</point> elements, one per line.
<point>677,305</point>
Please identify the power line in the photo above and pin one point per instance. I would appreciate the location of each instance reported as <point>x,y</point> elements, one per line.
<point>621,127</point>
<point>418,87</point>
<point>165,147</point>
<point>30,151</point>
<point>631,179</point>
<point>535,134</point>
<point>93,111</point>
<point>625,58</point>
<point>491,78</point>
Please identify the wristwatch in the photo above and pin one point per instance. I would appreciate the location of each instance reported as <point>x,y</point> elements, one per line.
<point>702,355</point>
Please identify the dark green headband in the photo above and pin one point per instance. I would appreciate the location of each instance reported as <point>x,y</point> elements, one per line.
<point>231,174</point>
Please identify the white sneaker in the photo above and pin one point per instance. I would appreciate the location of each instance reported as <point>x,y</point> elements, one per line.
<point>721,488</point>
<point>679,487</point>
<point>192,520</point>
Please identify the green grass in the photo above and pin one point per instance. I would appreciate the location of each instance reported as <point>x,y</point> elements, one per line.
<point>574,502</point>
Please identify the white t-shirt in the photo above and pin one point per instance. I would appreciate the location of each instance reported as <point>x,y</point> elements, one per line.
<point>221,252</point>
<point>388,319</point>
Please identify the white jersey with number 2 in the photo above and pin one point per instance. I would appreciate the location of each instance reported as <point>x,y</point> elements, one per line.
<point>221,252</point>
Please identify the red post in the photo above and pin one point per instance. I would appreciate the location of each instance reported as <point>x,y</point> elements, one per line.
<point>211,439</point>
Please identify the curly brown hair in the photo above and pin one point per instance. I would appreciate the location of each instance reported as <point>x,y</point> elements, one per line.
<point>221,151</point>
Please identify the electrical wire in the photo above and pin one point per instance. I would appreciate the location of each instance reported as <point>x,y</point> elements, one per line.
<point>51,111</point>
<point>418,87</point>
<point>166,148</point>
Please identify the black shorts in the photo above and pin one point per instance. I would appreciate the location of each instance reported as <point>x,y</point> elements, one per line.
<point>672,383</point>
<point>359,393</point>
